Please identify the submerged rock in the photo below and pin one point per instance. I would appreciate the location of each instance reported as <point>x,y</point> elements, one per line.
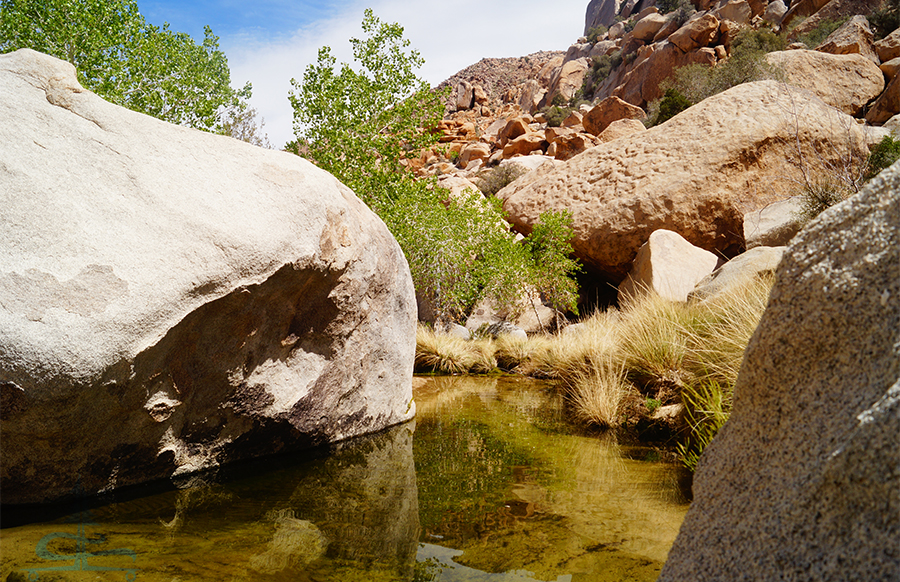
<point>171,300</point>
<point>803,481</point>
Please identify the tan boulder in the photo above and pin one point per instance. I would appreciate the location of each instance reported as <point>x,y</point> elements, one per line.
<point>647,27</point>
<point>551,134</point>
<point>523,145</point>
<point>890,68</point>
<point>514,128</point>
<point>888,48</point>
<point>621,128</point>
<point>609,110</point>
<point>603,47</point>
<point>568,146</point>
<point>479,95</point>
<point>696,175</point>
<point>546,73</point>
<point>464,95</point>
<point>667,265</point>
<point>568,79</point>
<point>774,225</point>
<point>887,106</point>
<point>847,82</point>
<point>531,96</point>
<point>800,8</point>
<point>474,151</point>
<point>669,28</point>
<point>756,263</point>
<point>696,33</point>
<point>854,36</point>
<point>736,11</point>
<point>574,119</point>
<point>775,11</point>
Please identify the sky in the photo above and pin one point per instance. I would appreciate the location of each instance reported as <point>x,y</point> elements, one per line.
<point>269,42</point>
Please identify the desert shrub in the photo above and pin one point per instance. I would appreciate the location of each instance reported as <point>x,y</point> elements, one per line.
<point>597,395</point>
<point>447,354</point>
<point>558,100</point>
<point>556,115</point>
<point>817,36</point>
<point>666,6</point>
<point>885,19</point>
<point>595,33</point>
<point>601,67</point>
<point>884,154</point>
<point>819,194</point>
<point>492,181</point>
<point>746,64</point>
<point>671,105</point>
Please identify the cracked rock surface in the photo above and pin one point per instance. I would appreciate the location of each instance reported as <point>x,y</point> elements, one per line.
<point>171,300</point>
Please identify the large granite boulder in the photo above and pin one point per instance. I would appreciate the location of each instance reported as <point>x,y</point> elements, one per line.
<point>803,481</point>
<point>846,81</point>
<point>171,300</point>
<point>697,174</point>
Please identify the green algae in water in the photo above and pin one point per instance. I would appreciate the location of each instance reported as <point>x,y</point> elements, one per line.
<point>489,483</point>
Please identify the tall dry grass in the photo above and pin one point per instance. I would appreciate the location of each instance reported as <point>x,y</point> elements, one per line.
<point>649,348</point>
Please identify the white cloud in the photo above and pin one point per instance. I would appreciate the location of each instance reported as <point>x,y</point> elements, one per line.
<point>450,37</point>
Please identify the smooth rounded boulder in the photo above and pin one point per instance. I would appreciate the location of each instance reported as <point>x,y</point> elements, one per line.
<point>172,300</point>
<point>696,174</point>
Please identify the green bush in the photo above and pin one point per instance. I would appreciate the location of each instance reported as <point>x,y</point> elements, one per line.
<point>882,155</point>
<point>817,36</point>
<point>746,64</point>
<point>595,33</point>
<point>671,105</point>
<point>556,115</point>
<point>885,19</point>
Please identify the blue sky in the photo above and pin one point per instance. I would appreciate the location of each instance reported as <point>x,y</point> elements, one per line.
<point>268,42</point>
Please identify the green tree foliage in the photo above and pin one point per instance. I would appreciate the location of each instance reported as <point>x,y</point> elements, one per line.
<point>127,61</point>
<point>550,247</point>
<point>671,105</point>
<point>360,123</point>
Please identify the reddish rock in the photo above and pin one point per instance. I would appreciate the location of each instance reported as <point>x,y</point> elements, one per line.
<point>696,33</point>
<point>524,145</point>
<point>609,110</point>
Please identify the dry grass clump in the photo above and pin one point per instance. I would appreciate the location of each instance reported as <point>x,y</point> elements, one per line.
<point>651,349</point>
<point>447,354</point>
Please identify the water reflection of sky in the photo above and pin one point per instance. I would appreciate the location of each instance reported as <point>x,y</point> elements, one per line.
<point>440,563</point>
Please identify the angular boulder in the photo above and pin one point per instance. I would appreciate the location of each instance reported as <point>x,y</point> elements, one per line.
<point>667,265</point>
<point>845,81</point>
<point>775,225</point>
<point>853,37</point>
<point>888,48</point>
<point>610,109</point>
<point>887,105</point>
<point>172,300</point>
<point>803,481</point>
<point>696,33</point>
<point>697,174</point>
<point>757,262</point>
<point>621,128</point>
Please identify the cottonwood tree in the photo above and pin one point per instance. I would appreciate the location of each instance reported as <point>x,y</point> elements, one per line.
<point>360,123</point>
<point>125,60</point>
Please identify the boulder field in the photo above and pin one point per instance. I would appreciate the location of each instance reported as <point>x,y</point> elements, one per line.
<point>171,300</point>
<point>802,481</point>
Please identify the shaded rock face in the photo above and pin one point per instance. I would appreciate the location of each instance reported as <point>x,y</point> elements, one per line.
<point>172,300</point>
<point>803,481</point>
<point>697,174</point>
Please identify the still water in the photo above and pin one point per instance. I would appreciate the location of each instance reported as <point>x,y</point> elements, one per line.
<point>489,483</point>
